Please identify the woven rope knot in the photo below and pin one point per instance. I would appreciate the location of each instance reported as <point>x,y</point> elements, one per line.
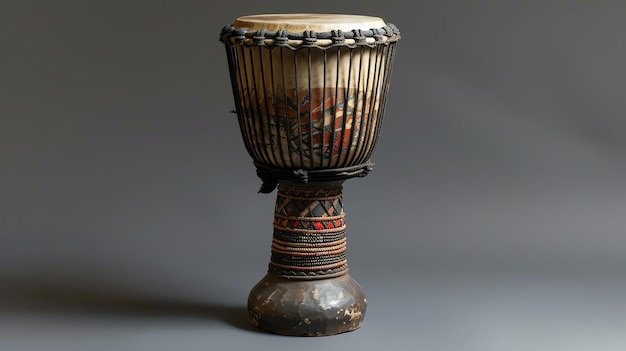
<point>359,38</point>
<point>310,38</point>
<point>378,36</point>
<point>238,35</point>
<point>259,37</point>
<point>394,29</point>
<point>281,38</point>
<point>338,36</point>
<point>302,175</point>
<point>225,32</point>
<point>369,167</point>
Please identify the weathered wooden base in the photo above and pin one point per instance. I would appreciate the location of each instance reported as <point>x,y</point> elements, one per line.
<point>307,307</point>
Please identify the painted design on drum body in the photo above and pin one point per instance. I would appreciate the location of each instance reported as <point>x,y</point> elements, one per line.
<point>310,108</point>
<point>320,126</point>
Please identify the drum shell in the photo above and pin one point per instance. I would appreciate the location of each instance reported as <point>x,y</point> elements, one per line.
<point>310,90</point>
<point>310,107</point>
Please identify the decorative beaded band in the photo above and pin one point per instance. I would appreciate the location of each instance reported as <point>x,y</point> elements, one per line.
<point>309,238</point>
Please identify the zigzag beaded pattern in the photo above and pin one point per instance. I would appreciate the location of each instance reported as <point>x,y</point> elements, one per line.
<point>309,238</point>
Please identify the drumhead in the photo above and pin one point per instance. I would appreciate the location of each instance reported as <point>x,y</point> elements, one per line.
<point>300,22</point>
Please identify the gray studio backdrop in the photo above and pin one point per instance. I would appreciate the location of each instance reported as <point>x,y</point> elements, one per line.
<point>123,176</point>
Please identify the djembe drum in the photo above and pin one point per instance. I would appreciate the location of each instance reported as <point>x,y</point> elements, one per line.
<point>310,93</point>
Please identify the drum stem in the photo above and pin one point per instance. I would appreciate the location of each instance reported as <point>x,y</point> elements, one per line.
<point>309,240</point>
<point>308,290</point>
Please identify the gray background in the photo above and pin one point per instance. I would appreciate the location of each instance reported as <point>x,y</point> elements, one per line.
<point>494,218</point>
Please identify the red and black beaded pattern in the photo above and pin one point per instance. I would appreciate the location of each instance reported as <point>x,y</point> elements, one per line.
<point>309,234</point>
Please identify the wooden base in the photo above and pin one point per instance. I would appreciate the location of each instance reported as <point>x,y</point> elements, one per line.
<point>318,307</point>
